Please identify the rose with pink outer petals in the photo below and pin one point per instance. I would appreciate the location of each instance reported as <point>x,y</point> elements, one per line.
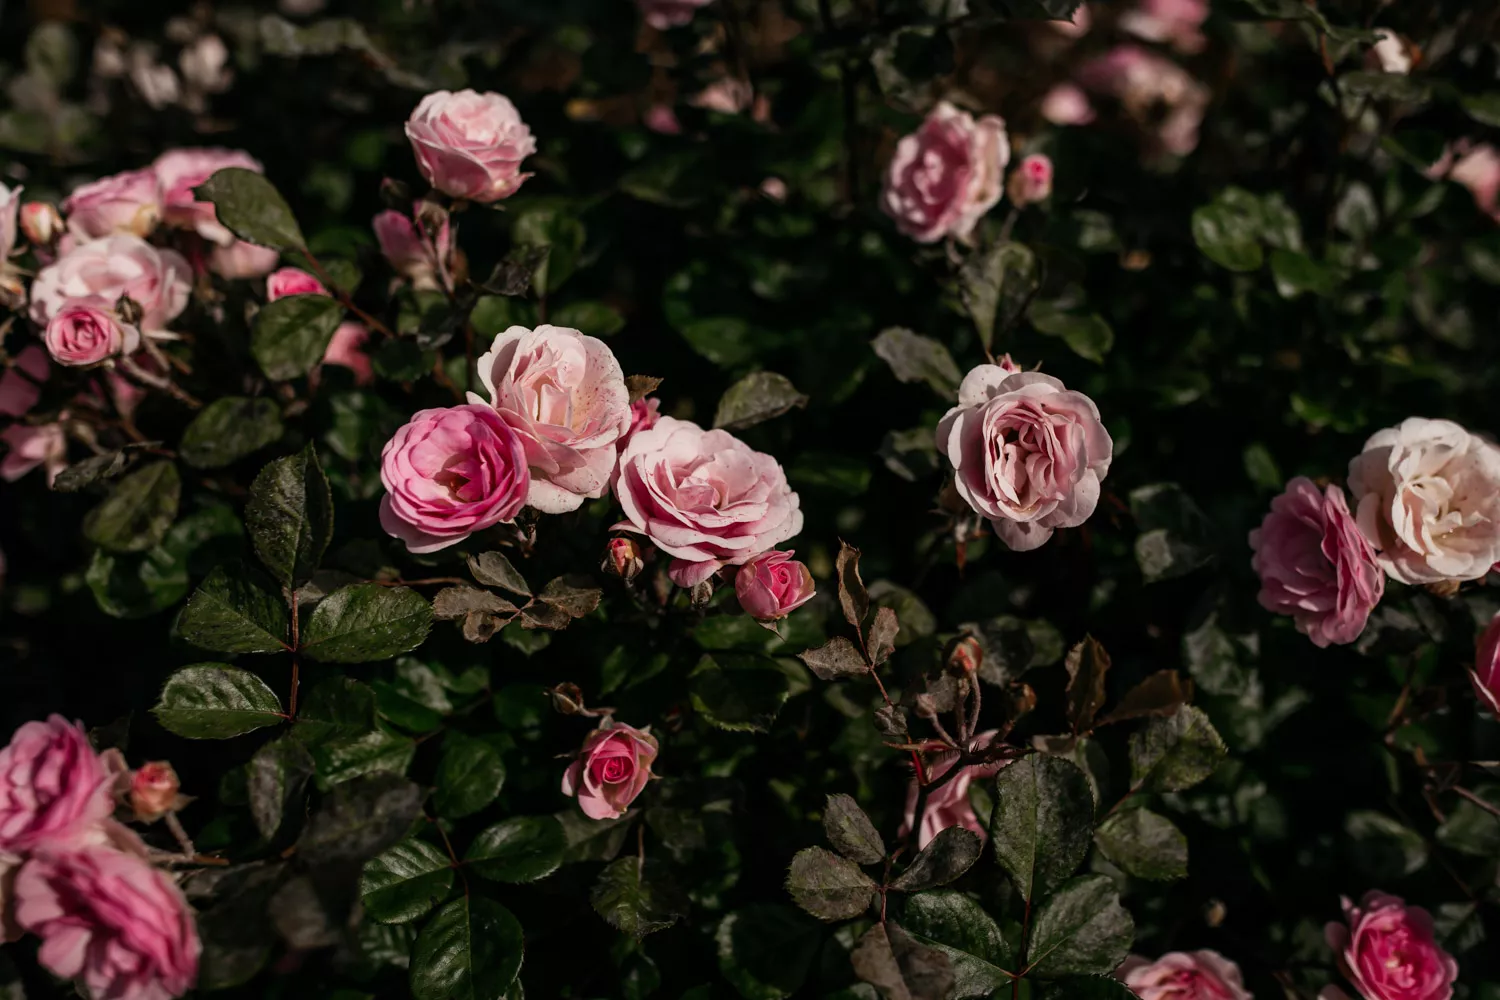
<point>703,497</point>
<point>18,394</point>
<point>347,350</point>
<point>1486,672</point>
<point>1386,949</point>
<point>449,473</point>
<point>565,394</point>
<point>29,447</point>
<point>85,334</point>
<point>129,202</point>
<point>470,145</point>
<point>644,413</point>
<point>292,281</point>
<point>773,585</point>
<point>418,258</point>
<point>611,769</point>
<point>1184,975</point>
<point>1479,171</point>
<point>1175,22</point>
<point>1315,565</point>
<point>1027,453</point>
<point>1159,95</point>
<point>948,805</point>
<point>946,175</point>
<point>154,791</point>
<point>54,790</point>
<point>664,14</point>
<point>102,270</point>
<point>239,259</point>
<point>1031,181</point>
<point>1067,104</point>
<point>110,921</point>
<point>178,171</point>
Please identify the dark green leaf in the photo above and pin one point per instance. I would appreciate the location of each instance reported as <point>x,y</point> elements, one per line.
<point>828,886</point>
<point>947,856</point>
<point>1296,273</point>
<point>252,208</point>
<point>1175,537</point>
<point>275,780</point>
<point>1088,988</point>
<point>364,622</point>
<point>1384,86</point>
<point>519,849</point>
<point>738,691</point>
<point>1144,844</point>
<point>291,335</point>
<point>136,585</point>
<point>1088,336</point>
<point>138,511</point>
<point>597,319</point>
<point>493,569</point>
<point>290,516</point>
<point>1044,813</point>
<point>1080,930</point>
<point>234,615</point>
<point>901,967</point>
<point>469,776</point>
<point>1384,849</point>
<point>374,752</point>
<point>1227,236</point>
<point>1004,275</point>
<point>758,397</point>
<point>405,881</point>
<point>957,926</point>
<point>359,819</point>
<point>1175,753</point>
<point>91,471</point>
<point>471,950</point>
<point>1472,829</point>
<point>914,358</point>
<point>766,951</point>
<point>561,232</point>
<point>338,708</point>
<point>228,429</point>
<point>1483,108</point>
<point>637,898</point>
<point>214,701</point>
<point>851,832</point>
<point>592,839</point>
<point>402,360</point>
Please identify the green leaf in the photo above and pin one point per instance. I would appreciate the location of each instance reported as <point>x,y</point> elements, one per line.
<point>374,752</point>
<point>338,708</point>
<point>851,832</point>
<point>359,819</point>
<point>469,776</point>
<point>1483,108</point>
<point>1043,817</point>
<point>947,856</point>
<point>901,967</point>
<point>1175,536</point>
<point>995,285</point>
<point>1087,336</point>
<point>1296,273</point>
<point>766,950</point>
<point>228,429</point>
<point>738,691</point>
<point>275,780</point>
<point>1144,844</point>
<point>1384,849</point>
<point>234,615</point>
<point>828,886</point>
<point>404,882</point>
<point>140,584</point>
<point>1079,930</point>
<point>727,341</point>
<point>138,511</point>
<point>915,358</point>
<point>471,950</point>
<point>592,839</point>
<point>756,398</point>
<point>214,701</point>
<point>519,849</point>
<point>364,622</point>
<point>1175,753</point>
<point>956,925</point>
<point>291,335</point>
<point>1227,236</point>
<point>252,208</point>
<point>563,234</point>
<point>1088,988</point>
<point>290,516</point>
<point>637,898</point>
<point>597,319</point>
<point>1471,829</point>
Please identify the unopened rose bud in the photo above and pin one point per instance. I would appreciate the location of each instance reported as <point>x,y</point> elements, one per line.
<point>773,585</point>
<point>154,791</point>
<point>129,310</point>
<point>623,557</point>
<point>965,656</point>
<point>567,698</point>
<point>1031,181</point>
<point>41,223</point>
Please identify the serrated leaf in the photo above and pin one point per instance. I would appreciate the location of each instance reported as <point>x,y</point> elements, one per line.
<point>471,950</point>
<point>574,594</point>
<point>947,856</point>
<point>828,886</point>
<point>850,831</point>
<point>493,569</point>
<point>290,516</point>
<point>519,849</point>
<point>901,967</point>
<point>138,511</point>
<point>884,629</point>
<point>251,207</point>
<point>1087,664</point>
<point>338,708</point>
<point>228,429</point>
<point>837,658</point>
<point>275,780</point>
<point>1175,753</point>
<point>854,599</point>
<point>1002,275</point>
<point>1042,822</point>
<point>915,358</point>
<point>290,336</point>
<point>405,882</point>
<point>233,615</point>
<point>360,818</point>
<point>766,950</point>
<point>469,776</point>
<point>959,927</point>
<point>214,701</point>
<point>637,898</point>
<point>1081,929</point>
<point>364,622</point>
<point>738,691</point>
<point>1144,844</point>
<point>374,752</point>
<point>756,398</point>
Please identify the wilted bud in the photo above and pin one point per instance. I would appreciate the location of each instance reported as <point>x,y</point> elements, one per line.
<point>1215,912</point>
<point>41,223</point>
<point>395,194</point>
<point>129,310</point>
<point>431,216</point>
<point>567,698</point>
<point>154,791</point>
<point>701,593</point>
<point>623,557</point>
<point>965,655</point>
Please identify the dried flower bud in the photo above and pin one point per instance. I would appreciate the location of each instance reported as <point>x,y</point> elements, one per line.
<point>41,223</point>
<point>129,310</point>
<point>154,791</point>
<point>1020,700</point>
<point>965,655</point>
<point>702,593</point>
<point>567,698</point>
<point>623,557</point>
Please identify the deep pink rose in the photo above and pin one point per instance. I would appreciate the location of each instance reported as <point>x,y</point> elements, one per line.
<point>1031,180</point>
<point>470,145</point>
<point>644,413</point>
<point>292,281</point>
<point>949,804</point>
<point>29,447</point>
<point>1155,92</point>
<point>40,222</point>
<point>946,175</point>
<point>1027,453</point>
<point>1184,975</point>
<point>85,334</point>
<point>121,203</point>
<point>1067,104</point>
<point>419,257</point>
<point>565,394</point>
<point>54,790</point>
<point>110,921</point>
<point>178,171</point>
<point>773,585</point>
<point>347,350</point>
<point>1387,951</point>
<point>611,769</point>
<point>703,497</point>
<point>239,259</point>
<point>664,14</point>
<point>449,473</point>
<point>102,270</point>
<point>1486,672</point>
<point>18,394</point>
<point>1175,22</point>
<point>1315,565</point>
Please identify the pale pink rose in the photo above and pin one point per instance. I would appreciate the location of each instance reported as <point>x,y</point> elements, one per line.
<point>662,119</point>
<point>611,769</point>
<point>85,334</point>
<point>1427,496</point>
<point>1159,95</point>
<point>565,394</point>
<point>40,222</point>
<point>1031,181</point>
<point>1391,54</point>
<point>949,804</point>
<point>292,281</point>
<point>1174,22</point>
<point>53,788</point>
<point>121,203</point>
<point>205,65</point>
<point>239,259</point>
<point>449,473</point>
<point>1184,975</point>
<point>178,171</point>
<point>1387,951</point>
<point>1315,565</point>
<point>154,791</point>
<point>644,413</point>
<point>18,393</point>
<point>703,497</point>
<point>1027,453</point>
<point>470,145</point>
<point>774,188</point>
<point>946,175</point>
<point>1486,672</point>
<point>347,350</point>
<point>773,585</point>
<point>1067,104</point>
<point>419,257</point>
<point>30,447</point>
<point>664,14</point>
<point>1479,171</point>
<point>102,270</point>
<point>110,921</point>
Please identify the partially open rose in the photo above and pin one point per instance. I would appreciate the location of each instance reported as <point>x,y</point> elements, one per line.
<point>612,768</point>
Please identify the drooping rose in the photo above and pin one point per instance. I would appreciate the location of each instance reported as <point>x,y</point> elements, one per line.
<point>1031,181</point>
<point>565,394</point>
<point>1427,496</point>
<point>154,791</point>
<point>1184,975</point>
<point>178,171</point>
<point>1177,23</point>
<point>420,258</point>
<point>703,497</point>
<point>449,473</point>
<point>347,350</point>
<point>292,281</point>
<point>1387,950</point>
<point>128,202</point>
<point>19,390</point>
<point>85,334</point>
<point>664,14</point>
<point>29,447</point>
<point>948,805</point>
<point>946,175</point>
<point>611,769</point>
<point>1486,672</point>
<point>103,270</point>
<point>773,585</point>
<point>239,259</point>
<point>470,145</point>
<point>1067,104</point>
<point>110,921</point>
<point>53,789</point>
<point>1315,565</point>
<point>1159,95</point>
<point>1027,453</point>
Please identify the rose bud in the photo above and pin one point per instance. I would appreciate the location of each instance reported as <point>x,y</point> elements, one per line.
<point>611,769</point>
<point>624,558</point>
<point>41,222</point>
<point>964,656</point>
<point>154,791</point>
<point>772,585</point>
<point>567,698</point>
<point>1486,672</point>
<point>292,281</point>
<point>1031,181</point>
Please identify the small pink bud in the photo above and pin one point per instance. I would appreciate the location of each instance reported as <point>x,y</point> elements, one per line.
<point>41,223</point>
<point>567,698</point>
<point>1486,672</point>
<point>154,791</point>
<point>623,557</point>
<point>965,656</point>
<point>1031,181</point>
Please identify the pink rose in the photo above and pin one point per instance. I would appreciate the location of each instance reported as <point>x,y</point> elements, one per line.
<point>1390,54</point>
<point>41,223</point>
<point>470,145</point>
<point>292,281</point>
<point>1067,104</point>
<point>1387,950</point>
<point>611,769</point>
<point>946,175</point>
<point>773,585</point>
<point>154,791</point>
<point>1175,22</point>
<point>1486,672</point>
<point>121,203</point>
<point>1027,453</point>
<point>565,394</point>
<point>1314,564</point>
<point>1479,171</point>
<point>53,788</point>
<point>111,921</point>
<point>644,413</point>
<point>29,447</point>
<point>85,334</point>
<point>102,270</point>
<point>418,257</point>
<point>1031,180</point>
<point>449,473</point>
<point>1184,975</point>
<point>239,259</point>
<point>178,171</point>
<point>347,350</point>
<point>727,95</point>
<point>703,497</point>
<point>1159,95</point>
<point>18,393</point>
<point>664,14</point>
<point>660,118</point>
<point>948,805</point>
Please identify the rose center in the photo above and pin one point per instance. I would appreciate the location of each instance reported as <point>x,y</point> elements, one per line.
<point>614,770</point>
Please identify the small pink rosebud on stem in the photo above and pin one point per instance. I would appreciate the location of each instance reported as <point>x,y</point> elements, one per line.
<point>623,557</point>
<point>965,655</point>
<point>41,223</point>
<point>155,791</point>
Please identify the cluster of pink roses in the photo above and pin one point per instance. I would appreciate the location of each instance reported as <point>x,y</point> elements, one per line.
<point>82,881</point>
